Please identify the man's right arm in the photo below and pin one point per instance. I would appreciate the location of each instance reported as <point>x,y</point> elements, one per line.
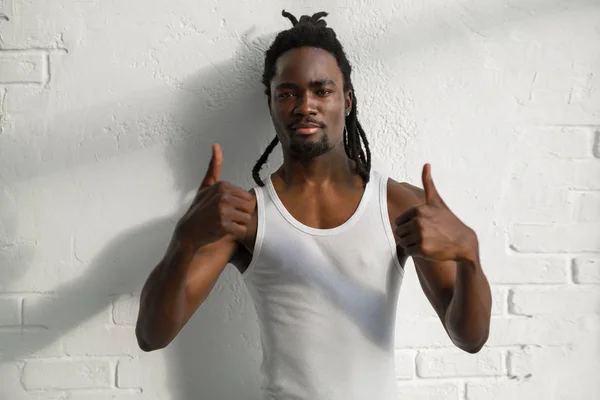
<point>177,286</point>
<point>205,240</point>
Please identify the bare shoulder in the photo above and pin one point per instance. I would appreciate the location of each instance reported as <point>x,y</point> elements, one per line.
<point>402,195</point>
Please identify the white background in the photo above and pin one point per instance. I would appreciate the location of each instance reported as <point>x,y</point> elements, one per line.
<point>107,113</point>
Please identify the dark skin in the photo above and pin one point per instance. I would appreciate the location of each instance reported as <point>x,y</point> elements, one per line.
<point>319,186</point>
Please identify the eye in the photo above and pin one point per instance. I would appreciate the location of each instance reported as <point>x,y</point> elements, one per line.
<point>324,92</point>
<point>285,95</point>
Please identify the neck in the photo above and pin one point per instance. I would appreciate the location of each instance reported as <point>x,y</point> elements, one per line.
<point>333,167</point>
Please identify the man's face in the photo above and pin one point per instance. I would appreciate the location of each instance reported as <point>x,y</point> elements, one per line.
<point>308,103</point>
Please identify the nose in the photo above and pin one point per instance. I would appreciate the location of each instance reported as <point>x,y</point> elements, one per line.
<point>305,105</point>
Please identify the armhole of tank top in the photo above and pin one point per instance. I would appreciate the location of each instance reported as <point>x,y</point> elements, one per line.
<point>260,228</point>
<point>385,219</point>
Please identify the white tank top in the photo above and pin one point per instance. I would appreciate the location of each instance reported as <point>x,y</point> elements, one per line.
<point>326,301</point>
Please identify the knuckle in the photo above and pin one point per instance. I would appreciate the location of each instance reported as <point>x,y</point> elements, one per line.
<point>224,225</point>
<point>221,187</point>
<point>222,207</point>
<point>247,218</point>
<point>419,224</point>
<point>426,247</point>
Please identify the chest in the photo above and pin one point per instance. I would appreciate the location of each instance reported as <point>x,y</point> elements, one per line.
<point>321,210</point>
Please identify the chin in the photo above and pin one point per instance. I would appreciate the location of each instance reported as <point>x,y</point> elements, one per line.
<point>309,150</point>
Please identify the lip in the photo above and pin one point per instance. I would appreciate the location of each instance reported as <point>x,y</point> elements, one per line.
<point>305,129</point>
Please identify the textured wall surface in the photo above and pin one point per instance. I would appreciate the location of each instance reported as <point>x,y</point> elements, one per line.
<point>107,113</point>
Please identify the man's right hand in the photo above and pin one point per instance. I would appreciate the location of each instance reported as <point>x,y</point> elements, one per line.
<point>219,209</point>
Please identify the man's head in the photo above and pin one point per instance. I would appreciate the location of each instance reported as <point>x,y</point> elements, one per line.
<point>307,80</point>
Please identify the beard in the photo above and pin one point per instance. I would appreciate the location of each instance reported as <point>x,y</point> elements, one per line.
<point>305,150</point>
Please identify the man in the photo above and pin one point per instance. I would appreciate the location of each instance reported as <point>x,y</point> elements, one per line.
<point>321,243</point>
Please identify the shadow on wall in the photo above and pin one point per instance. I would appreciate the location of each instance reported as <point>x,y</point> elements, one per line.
<point>216,356</point>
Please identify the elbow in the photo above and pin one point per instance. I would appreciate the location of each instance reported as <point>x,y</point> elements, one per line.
<point>474,347</point>
<point>473,350</point>
<point>144,344</point>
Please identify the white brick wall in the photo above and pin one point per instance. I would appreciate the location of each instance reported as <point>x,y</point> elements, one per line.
<point>107,111</point>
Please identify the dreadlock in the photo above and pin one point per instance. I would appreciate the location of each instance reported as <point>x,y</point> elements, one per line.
<point>312,31</point>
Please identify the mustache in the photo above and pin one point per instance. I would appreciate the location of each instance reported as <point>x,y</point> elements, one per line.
<point>306,121</point>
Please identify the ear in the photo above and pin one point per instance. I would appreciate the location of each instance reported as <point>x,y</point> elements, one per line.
<point>349,100</point>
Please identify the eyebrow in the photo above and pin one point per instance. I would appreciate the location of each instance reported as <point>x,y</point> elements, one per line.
<point>318,82</point>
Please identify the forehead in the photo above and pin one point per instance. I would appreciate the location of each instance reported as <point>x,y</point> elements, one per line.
<point>306,64</point>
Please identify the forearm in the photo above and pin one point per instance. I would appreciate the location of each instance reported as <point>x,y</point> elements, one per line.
<point>468,314</point>
<point>163,299</point>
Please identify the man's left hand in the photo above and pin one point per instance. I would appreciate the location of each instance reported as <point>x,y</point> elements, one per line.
<point>431,231</point>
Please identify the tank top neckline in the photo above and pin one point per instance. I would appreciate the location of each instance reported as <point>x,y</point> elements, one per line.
<point>317,231</point>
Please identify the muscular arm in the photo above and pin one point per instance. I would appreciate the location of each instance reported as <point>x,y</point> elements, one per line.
<point>176,287</point>
<point>458,290</point>
<point>460,294</point>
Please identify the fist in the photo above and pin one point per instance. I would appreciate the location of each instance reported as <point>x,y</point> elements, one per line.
<point>431,231</point>
<point>219,208</point>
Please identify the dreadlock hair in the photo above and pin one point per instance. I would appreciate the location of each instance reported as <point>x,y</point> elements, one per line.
<point>312,31</point>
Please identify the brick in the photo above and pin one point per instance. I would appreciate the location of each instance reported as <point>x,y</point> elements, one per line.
<point>445,363</point>
<point>527,361</point>
<point>568,174</point>
<point>58,374</point>
<point>10,312</point>
<point>428,391</point>
<point>586,176</point>
<point>11,388</point>
<point>11,256</point>
<point>586,270</point>
<point>28,100</point>
<point>42,343</point>
<point>405,364</point>
<point>499,296</point>
<point>502,390</point>
<point>419,307</point>
<point>100,340</point>
<point>555,301</point>
<point>125,310</point>
<point>586,207</point>
<point>37,275</point>
<point>22,67</point>
<point>540,330</point>
<point>526,269</point>
<point>129,374</point>
<point>536,200</point>
<point>111,395</point>
<point>555,238</point>
<point>597,143</point>
<point>564,142</point>
<point>67,311</point>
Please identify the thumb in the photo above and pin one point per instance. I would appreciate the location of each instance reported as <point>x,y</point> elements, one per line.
<point>431,194</point>
<point>214,168</point>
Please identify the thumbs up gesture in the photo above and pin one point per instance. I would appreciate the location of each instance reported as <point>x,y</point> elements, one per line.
<point>219,209</point>
<point>431,231</point>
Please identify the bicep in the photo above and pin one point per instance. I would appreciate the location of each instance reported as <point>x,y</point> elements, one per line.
<point>437,280</point>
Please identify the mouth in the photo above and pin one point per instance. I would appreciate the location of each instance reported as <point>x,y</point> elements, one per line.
<point>305,129</point>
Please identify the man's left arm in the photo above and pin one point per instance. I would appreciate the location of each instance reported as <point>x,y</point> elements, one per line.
<point>446,256</point>
<point>460,294</point>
